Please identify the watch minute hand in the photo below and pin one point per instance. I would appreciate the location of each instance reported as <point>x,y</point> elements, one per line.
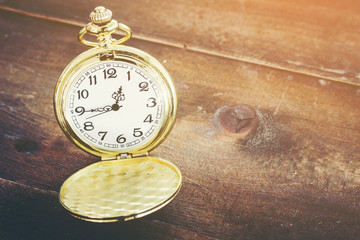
<point>100,109</point>
<point>114,107</point>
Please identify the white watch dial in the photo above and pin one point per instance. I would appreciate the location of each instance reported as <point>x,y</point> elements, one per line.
<point>115,106</point>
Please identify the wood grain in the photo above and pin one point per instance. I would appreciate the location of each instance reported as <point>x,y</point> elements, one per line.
<point>295,177</point>
<point>319,38</point>
<point>28,208</point>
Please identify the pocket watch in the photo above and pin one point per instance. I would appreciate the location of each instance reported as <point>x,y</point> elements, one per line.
<point>118,103</point>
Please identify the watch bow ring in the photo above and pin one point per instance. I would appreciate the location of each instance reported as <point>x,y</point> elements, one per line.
<point>102,25</point>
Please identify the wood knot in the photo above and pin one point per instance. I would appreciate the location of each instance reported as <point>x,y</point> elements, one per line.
<point>239,120</point>
<point>26,146</point>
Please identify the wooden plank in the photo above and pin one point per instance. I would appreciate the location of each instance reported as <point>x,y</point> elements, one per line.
<point>319,38</point>
<point>38,216</point>
<point>295,176</point>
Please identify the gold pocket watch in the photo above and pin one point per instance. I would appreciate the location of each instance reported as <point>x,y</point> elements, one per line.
<point>118,103</point>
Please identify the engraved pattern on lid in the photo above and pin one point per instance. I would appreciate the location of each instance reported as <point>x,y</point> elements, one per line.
<point>110,191</point>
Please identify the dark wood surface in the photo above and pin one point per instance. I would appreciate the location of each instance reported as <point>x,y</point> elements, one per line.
<point>319,37</point>
<point>295,176</point>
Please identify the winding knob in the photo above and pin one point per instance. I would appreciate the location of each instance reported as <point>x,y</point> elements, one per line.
<point>100,16</point>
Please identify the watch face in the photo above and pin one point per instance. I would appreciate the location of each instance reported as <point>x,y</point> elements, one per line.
<point>114,106</point>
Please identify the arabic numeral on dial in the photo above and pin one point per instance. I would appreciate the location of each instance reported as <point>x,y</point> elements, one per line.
<point>83,94</point>
<point>110,73</point>
<point>92,80</point>
<point>121,139</point>
<point>144,86</point>
<point>137,132</point>
<point>128,73</point>
<point>151,102</point>
<point>102,135</point>
<point>88,126</point>
<point>148,119</point>
<point>80,110</point>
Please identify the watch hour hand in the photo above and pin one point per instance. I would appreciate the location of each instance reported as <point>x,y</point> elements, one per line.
<point>118,95</point>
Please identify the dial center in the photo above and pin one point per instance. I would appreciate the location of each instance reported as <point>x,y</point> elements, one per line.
<point>115,107</point>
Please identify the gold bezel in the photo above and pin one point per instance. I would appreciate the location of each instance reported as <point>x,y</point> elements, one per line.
<point>125,54</point>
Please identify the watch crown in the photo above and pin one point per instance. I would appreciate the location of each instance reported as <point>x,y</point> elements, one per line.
<point>100,15</point>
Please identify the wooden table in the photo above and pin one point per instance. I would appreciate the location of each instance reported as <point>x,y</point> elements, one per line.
<point>293,175</point>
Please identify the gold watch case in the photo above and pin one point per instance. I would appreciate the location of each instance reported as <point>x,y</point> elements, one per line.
<point>124,185</point>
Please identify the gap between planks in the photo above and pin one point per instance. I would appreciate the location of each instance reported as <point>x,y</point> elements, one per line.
<point>51,192</point>
<point>179,45</point>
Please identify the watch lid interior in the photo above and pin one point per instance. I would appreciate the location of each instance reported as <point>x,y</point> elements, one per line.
<point>120,190</point>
